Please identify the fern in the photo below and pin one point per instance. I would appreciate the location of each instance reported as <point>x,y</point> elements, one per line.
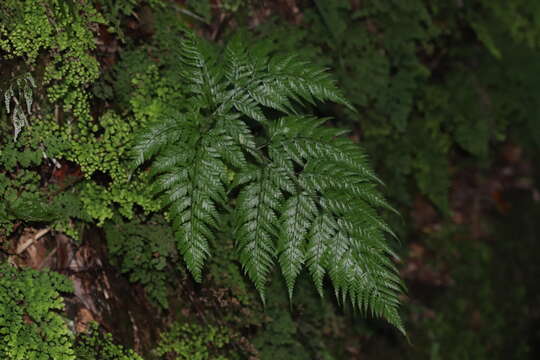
<point>300,194</point>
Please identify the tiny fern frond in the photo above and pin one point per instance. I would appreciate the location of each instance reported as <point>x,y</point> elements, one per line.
<point>299,193</point>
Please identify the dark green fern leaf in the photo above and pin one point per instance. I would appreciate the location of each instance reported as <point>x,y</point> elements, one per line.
<point>256,217</point>
<point>300,193</point>
<point>297,217</point>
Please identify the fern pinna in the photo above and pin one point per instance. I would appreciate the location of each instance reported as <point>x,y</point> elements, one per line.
<point>299,193</point>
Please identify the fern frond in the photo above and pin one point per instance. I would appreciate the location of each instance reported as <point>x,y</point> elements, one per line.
<point>154,138</point>
<point>299,193</point>
<point>297,216</point>
<point>256,217</point>
<point>239,67</point>
<point>249,107</point>
<point>303,138</point>
<point>191,180</point>
<point>322,229</point>
<point>301,79</point>
<point>200,70</point>
<point>274,82</point>
<point>240,133</point>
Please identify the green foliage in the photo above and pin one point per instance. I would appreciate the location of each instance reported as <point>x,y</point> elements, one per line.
<point>100,149</point>
<point>15,191</point>
<point>115,11</point>
<point>185,341</point>
<point>312,328</point>
<point>63,28</point>
<point>417,74</point>
<point>24,197</point>
<point>519,18</point>
<point>294,186</point>
<point>142,252</point>
<point>373,50</point>
<point>225,272</point>
<point>30,327</point>
<point>231,159</point>
<point>279,336</point>
<point>478,309</point>
<point>58,46</point>
<point>96,345</point>
<point>203,10</point>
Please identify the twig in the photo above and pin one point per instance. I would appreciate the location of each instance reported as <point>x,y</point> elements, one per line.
<point>30,241</point>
